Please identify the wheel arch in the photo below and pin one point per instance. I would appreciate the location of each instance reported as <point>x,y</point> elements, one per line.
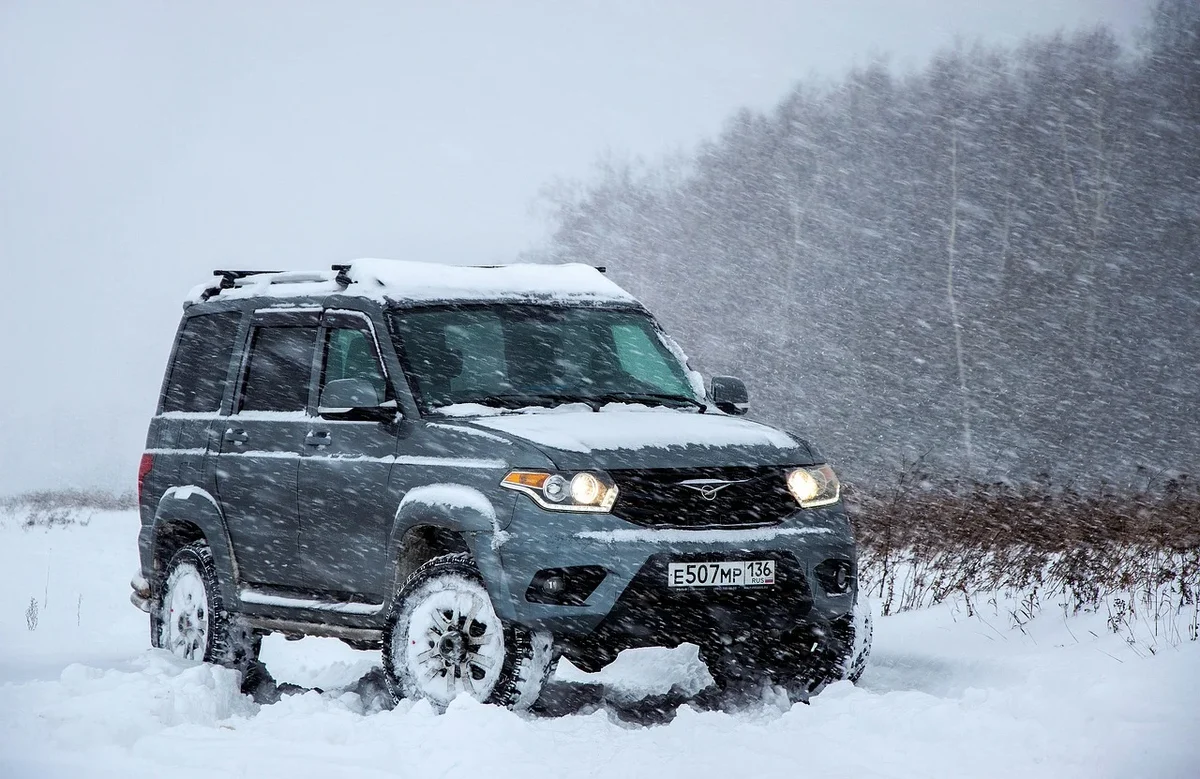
<point>186,514</point>
<point>440,519</point>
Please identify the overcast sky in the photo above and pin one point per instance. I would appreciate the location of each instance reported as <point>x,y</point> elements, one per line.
<point>144,144</point>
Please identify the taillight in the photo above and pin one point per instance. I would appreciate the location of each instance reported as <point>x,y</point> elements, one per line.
<point>144,468</point>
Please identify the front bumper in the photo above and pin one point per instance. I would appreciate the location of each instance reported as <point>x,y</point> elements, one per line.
<point>644,611</point>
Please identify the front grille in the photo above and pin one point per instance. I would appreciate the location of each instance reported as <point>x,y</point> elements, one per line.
<point>655,497</point>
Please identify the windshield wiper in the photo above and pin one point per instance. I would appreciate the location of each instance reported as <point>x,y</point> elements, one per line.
<point>517,400</point>
<point>649,397</point>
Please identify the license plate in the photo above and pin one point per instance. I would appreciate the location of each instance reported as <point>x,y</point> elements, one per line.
<point>741,573</point>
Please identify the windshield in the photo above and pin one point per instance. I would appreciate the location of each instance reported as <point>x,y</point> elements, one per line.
<point>510,356</point>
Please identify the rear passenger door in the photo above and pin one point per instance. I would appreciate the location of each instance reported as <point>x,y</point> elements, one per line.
<point>260,446</point>
<point>345,509</point>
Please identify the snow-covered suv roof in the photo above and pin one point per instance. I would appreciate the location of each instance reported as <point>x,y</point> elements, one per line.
<point>402,281</point>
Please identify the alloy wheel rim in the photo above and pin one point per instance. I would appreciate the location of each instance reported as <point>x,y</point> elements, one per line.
<point>454,644</point>
<point>185,614</point>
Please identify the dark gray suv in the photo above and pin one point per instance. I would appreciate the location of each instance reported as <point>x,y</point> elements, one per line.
<point>479,470</point>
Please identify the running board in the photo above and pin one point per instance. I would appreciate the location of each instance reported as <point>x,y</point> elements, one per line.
<point>293,628</point>
<point>259,598</point>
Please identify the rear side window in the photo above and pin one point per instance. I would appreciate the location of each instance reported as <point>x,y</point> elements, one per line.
<point>280,366</point>
<point>198,374</point>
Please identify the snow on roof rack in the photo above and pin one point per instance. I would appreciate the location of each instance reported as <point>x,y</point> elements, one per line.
<point>229,279</point>
<point>400,280</point>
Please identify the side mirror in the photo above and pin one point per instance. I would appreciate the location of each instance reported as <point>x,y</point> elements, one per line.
<point>354,399</point>
<point>728,394</point>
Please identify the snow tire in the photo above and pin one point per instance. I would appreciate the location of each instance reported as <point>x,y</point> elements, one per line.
<point>195,623</point>
<point>512,662</point>
<point>840,653</point>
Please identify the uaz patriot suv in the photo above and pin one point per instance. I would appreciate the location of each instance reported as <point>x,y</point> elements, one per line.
<point>479,470</point>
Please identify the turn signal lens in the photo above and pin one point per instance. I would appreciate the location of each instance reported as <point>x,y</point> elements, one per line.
<point>815,486</point>
<point>531,479</point>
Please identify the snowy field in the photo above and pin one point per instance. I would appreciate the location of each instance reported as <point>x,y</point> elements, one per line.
<point>947,696</point>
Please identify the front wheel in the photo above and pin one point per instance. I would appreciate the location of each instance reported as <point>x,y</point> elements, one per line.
<point>444,638</point>
<point>840,655</point>
<point>191,620</point>
<point>804,660</point>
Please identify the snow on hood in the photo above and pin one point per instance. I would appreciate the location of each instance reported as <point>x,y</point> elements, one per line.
<point>634,428</point>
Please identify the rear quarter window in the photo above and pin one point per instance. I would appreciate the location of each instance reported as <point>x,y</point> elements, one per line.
<point>200,368</point>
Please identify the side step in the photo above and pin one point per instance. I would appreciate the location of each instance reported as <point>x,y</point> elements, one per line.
<point>293,628</point>
<point>259,598</point>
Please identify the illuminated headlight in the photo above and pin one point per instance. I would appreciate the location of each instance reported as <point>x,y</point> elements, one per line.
<point>586,491</point>
<point>814,486</point>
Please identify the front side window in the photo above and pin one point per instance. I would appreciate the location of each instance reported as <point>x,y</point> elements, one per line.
<point>277,375</point>
<point>198,374</point>
<point>350,354</point>
<point>514,355</point>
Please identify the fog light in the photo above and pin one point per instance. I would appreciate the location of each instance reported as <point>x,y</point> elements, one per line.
<point>836,576</point>
<point>570,586</point>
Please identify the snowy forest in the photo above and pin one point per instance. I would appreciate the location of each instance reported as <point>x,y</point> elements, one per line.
<point>990,266</point>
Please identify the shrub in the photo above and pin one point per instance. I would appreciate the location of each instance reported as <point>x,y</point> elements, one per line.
<point>59,508</point>
<point>1133,553</point>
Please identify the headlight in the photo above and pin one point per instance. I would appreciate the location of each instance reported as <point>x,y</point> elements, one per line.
<point>585,491</point>
<point>814,486</point>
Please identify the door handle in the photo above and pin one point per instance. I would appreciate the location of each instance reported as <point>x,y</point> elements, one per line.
<point>236,436</point>
<point>318,438</point>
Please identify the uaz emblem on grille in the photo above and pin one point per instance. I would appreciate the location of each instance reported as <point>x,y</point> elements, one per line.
<point>708,488</point>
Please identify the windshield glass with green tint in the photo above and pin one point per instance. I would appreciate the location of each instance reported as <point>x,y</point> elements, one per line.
<point>515,355</point>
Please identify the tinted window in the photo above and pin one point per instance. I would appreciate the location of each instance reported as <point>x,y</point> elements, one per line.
<point>280,364</point>
<point>350,354</point>
<point>197,377</point>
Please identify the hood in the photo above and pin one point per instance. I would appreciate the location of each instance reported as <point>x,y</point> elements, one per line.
<point>648,437</point>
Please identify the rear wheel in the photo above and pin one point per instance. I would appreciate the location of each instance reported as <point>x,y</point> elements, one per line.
<point>444,638</point>
<point>191,620</point>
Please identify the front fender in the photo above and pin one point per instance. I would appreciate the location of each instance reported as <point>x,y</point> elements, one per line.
<point>457,508</point>
<point>194,505</point>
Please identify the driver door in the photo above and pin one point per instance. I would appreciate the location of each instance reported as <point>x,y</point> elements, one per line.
<point>346,510</point>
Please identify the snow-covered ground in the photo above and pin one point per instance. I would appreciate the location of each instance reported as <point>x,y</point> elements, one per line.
<point>946,696</point>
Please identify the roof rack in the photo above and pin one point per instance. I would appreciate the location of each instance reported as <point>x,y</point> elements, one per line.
<point>343,275</point>
<point>241,274</point>
<point>229,280</point>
